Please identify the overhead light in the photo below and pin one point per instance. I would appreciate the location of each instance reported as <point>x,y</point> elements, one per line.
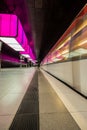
<point>12,42</point>
<point>11,32</point>
<point>30,59</point>
<point>26,55</point>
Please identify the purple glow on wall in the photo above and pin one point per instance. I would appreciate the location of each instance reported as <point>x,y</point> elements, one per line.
<point>9,58</point>
<point>20,32</point>
<point>25,43</point>
<point>27,48</point>
<point>30,53</point>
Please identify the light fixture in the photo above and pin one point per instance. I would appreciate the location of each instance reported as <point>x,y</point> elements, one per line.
<point>11,31</point>
<point>26,55</point>
<point>11,42</point>
<point>12,34</point>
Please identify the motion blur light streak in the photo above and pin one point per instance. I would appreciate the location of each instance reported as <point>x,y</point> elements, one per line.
<point>82,42</point>
<point>71,43</point>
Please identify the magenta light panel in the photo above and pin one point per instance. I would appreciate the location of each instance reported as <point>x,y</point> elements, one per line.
<point>12,34</point>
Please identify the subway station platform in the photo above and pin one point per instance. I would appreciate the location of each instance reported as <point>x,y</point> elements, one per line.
<point>31,99</point>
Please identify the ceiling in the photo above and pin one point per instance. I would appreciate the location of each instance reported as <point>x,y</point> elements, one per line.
<point>44,21</point>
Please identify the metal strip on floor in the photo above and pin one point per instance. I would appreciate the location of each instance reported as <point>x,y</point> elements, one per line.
<point>27,116</point>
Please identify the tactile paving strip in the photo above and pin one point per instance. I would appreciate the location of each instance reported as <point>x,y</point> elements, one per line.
<point>25,122</point>
<point>28,107</point>
<point>31,96</point>
<point>27,116</point>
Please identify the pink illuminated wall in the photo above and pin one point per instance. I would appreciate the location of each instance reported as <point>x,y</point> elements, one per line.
<point>8,25</point>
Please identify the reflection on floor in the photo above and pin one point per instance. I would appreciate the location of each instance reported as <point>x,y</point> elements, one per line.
<point>53,115</point>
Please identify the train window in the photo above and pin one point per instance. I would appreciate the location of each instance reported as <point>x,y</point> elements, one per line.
<point>73,46</point>
<point>78,46</point>
<point>61,52</point>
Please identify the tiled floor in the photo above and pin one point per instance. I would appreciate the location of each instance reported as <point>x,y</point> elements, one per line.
<point>13,85</point>
<point>53,114</point>
<point>76,104</point>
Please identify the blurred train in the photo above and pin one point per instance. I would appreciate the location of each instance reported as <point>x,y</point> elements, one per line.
<point>67,60</point>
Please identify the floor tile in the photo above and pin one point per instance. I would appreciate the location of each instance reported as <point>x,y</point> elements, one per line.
<point>81,119</point>
<point>5,122</point>
<point>10,103</point>
<point>75,103</point>
<point>53,113</point>
<point>60,121</point>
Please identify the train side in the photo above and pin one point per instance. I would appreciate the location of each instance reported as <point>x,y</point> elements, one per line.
<point>74,73</point>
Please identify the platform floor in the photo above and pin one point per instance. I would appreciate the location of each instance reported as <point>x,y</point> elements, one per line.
<point>52,108</point>
<point>53,114</point>
<point>13,85</point>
